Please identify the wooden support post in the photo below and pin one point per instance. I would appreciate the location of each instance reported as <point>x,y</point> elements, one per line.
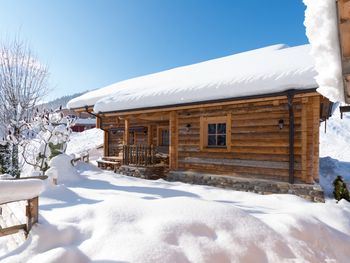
<point>149,135</point>
<point>310,141</point>
<point>173,140</point>
<point>32,213</point>
<point>106,144</point>
<point>98,122</point>
<point>291,137</point>
<point>126,132</point>
<point>304,141</point>
<point>316,131</point>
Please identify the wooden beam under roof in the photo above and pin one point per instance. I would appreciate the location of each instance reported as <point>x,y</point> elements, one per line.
<point>343,12</point>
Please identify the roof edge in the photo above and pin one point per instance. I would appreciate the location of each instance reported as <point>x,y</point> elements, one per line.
<point>266,95</point>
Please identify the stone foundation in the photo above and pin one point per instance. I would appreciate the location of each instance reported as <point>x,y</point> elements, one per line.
<point>312,192</point>
<point>146,172</point>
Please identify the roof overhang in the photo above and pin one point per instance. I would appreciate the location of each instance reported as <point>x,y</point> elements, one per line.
<point>343,13</point>
<point>86,108</point>
<point>268,96</point>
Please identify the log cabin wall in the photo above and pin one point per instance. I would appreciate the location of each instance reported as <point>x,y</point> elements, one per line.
<point>258,147</point>
<point>115,142</point>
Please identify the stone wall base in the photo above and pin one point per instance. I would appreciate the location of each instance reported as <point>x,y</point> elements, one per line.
<point>145,172</point>
<point>312,192</point>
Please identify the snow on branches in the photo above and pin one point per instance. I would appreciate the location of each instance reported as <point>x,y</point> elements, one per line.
<point>41,138</point>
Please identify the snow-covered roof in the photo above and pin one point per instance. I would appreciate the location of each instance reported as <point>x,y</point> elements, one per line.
<point>266,70</point>
<point>88,121</point>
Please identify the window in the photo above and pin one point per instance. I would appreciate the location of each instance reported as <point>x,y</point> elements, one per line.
<point>131,138</point>
<point>215,133</point>
<point>163,136</point>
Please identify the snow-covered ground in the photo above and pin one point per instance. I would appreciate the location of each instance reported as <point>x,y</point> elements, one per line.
<point>100,216</point>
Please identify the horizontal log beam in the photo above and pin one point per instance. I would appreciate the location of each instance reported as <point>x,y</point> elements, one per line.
<point>12,230</point>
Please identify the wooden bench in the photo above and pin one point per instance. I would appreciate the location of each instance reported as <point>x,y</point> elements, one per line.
<point>109,163</point>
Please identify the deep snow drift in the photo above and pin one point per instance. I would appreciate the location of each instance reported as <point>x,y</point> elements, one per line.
<point>112,217</point>
<point>103,217</point>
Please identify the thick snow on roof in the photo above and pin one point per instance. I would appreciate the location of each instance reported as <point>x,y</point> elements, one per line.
<point>321,30</point>
<point>266,70</point>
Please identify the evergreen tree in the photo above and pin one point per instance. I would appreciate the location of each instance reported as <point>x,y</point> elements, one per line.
<point>4,157</point>
<point>340,189</point>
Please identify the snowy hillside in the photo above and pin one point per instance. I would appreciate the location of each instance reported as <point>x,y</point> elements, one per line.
<point>62,101</point>
<point>96,215</point>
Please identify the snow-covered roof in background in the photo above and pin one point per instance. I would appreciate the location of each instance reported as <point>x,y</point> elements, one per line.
<point>87,121</point>
<point>266,70</point>
<point>322,32</point>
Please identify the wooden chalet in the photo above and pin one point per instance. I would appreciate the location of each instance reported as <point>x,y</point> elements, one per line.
<point>249,133</point>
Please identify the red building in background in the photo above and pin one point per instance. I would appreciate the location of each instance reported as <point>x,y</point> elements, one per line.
<point>84,120</point>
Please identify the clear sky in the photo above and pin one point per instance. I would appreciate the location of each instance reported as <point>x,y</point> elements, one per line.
<point>89,44</point>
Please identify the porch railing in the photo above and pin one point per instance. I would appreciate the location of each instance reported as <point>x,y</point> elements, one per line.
<point>138,154</point>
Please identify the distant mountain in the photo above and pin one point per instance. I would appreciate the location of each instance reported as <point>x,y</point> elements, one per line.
<point>56,103</point>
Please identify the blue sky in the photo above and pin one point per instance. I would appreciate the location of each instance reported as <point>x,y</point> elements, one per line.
<point>92,43</point>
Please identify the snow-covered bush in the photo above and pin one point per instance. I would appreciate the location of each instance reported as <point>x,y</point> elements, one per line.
<point>62,170</point>
<point>45,136</point>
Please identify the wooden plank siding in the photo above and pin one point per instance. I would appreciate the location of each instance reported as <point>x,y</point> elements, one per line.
<point>115,142</point>
<point>259,148</point>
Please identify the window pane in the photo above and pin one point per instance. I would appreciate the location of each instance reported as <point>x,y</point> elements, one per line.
<point>221,140</point>
<point>212,140</point>
<point>165,137</point>
<point>211,128</point>
<point>221,128</point>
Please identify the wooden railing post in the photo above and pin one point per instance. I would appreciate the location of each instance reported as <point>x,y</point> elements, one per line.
<point>32,213</point>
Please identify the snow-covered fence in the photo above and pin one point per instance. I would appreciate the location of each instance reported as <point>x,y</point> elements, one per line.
<point>84,157</point>
<point>12,191</point>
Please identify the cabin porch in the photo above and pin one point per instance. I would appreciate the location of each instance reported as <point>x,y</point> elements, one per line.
<point>137,145</point>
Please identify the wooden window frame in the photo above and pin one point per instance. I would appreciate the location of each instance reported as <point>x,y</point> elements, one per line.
<point>203,133</point>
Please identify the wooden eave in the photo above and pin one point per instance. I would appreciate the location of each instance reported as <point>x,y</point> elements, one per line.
<point>343,15</point>
<point>84,109</point>
<point>210,103</point>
